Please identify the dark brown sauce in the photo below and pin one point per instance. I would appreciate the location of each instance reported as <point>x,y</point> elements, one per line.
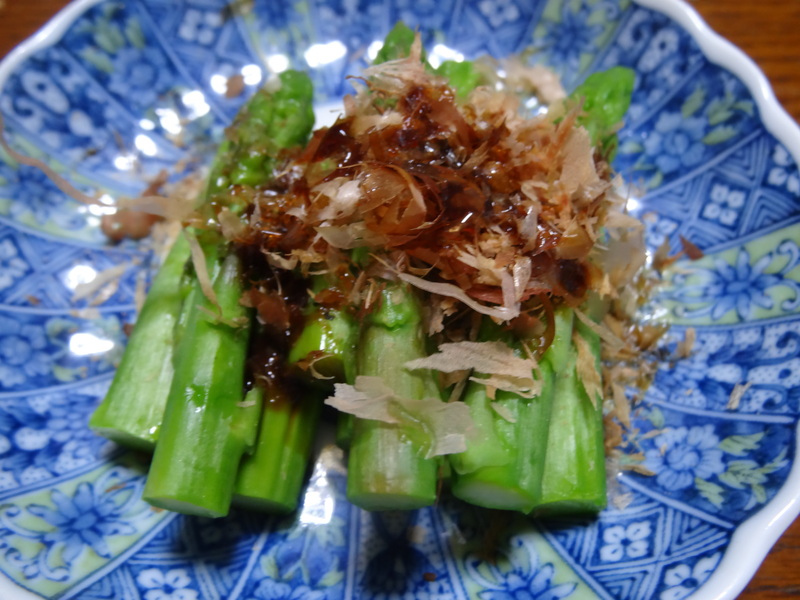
<point>425,155</point>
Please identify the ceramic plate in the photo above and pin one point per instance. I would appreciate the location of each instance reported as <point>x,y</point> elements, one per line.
<point>111,93</point>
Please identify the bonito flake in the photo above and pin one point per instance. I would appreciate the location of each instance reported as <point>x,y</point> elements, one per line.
<point>443,426</point>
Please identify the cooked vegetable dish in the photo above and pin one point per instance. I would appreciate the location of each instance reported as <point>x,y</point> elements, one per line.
<point>447,271</point>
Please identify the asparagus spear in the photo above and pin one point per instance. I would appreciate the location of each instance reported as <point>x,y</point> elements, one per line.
<point>205,430</point>
<point>271,477</point>
<point>204,398</point>
<point>574,477</point>
<point>397,43</point>
<point>461,76</point>
<point>386,470</point>
<point>326,338</point>
<point>131,411</point>
<point>330,334</point>
<point>606,97</point>
<point>279,116</point>
<point>502,466</point>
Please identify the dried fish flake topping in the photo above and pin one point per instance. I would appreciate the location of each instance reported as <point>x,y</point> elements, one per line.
<point>505,370</point>
<point>469,199</point>
<point>444,426</point>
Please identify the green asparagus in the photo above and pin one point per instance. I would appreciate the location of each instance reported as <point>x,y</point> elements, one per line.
<point>502,467</point>
<point>204,404</point>
<point>271,477</point>
<point>132,409</point>
<point>206,392</point>
<point>386,469</point>
<point>574,477</point>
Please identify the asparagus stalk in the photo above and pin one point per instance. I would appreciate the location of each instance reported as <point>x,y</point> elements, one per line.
<point>386,470</point>
<point>514,481</point>
<point>270,479</point>
<point>206,427</point>
<point>131,411</point>
<point>279,116</point>
<point>396,44</point>
<point>606,97</point>
<point>503,464</point>
<point>326,339</point>
<point>205,395</point>
<point>574,477</point>
<point>330,334</point>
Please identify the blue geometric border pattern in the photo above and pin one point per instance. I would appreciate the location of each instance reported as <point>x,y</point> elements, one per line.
<point>629,556</point>
<point>764,358</point>
<point>724,469</point>
<point>45,275</point>
<point>245,555</point>
<point>747,189</point>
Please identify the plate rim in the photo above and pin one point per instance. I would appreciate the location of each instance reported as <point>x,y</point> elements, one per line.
<point>752,538</point>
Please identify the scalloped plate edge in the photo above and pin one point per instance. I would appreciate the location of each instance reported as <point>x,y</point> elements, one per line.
<point>754,538</point>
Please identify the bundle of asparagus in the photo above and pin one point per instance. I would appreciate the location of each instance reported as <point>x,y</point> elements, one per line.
<point>272,295</point>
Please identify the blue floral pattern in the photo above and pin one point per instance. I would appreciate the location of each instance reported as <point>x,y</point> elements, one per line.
<point>139,72</point>
<point>725,468</point>
<point>571,36</point>
<point>684,579</point>
<point>45,436</point>
<point>82,521</point>
<point>173,584</point>
<point>741,287</point>
<point>676,143</point>
<point>519,576</point>
<point>72,525</point>
<point>765,358</point>
<point>682,455</point>
<point>34,199</point>
<point>23,354</point>
<point>39,351</point>
<point>12,267</point>
<point>133,87</point>
<point>684,111</point>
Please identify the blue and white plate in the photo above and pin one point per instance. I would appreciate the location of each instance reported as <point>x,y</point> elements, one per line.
<point>110,93</point>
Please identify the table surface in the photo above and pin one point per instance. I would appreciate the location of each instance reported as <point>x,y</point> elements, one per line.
<point>768,31</point>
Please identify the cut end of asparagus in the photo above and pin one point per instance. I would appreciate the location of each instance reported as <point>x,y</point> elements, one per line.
<point>588,506</point>
<point>275,506</point>
<point>376,501</point>
<point>386,467</point>
<point>480,490</point>
<point>185,507</point>
<point>272,477</point>
<point>135,440</point>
